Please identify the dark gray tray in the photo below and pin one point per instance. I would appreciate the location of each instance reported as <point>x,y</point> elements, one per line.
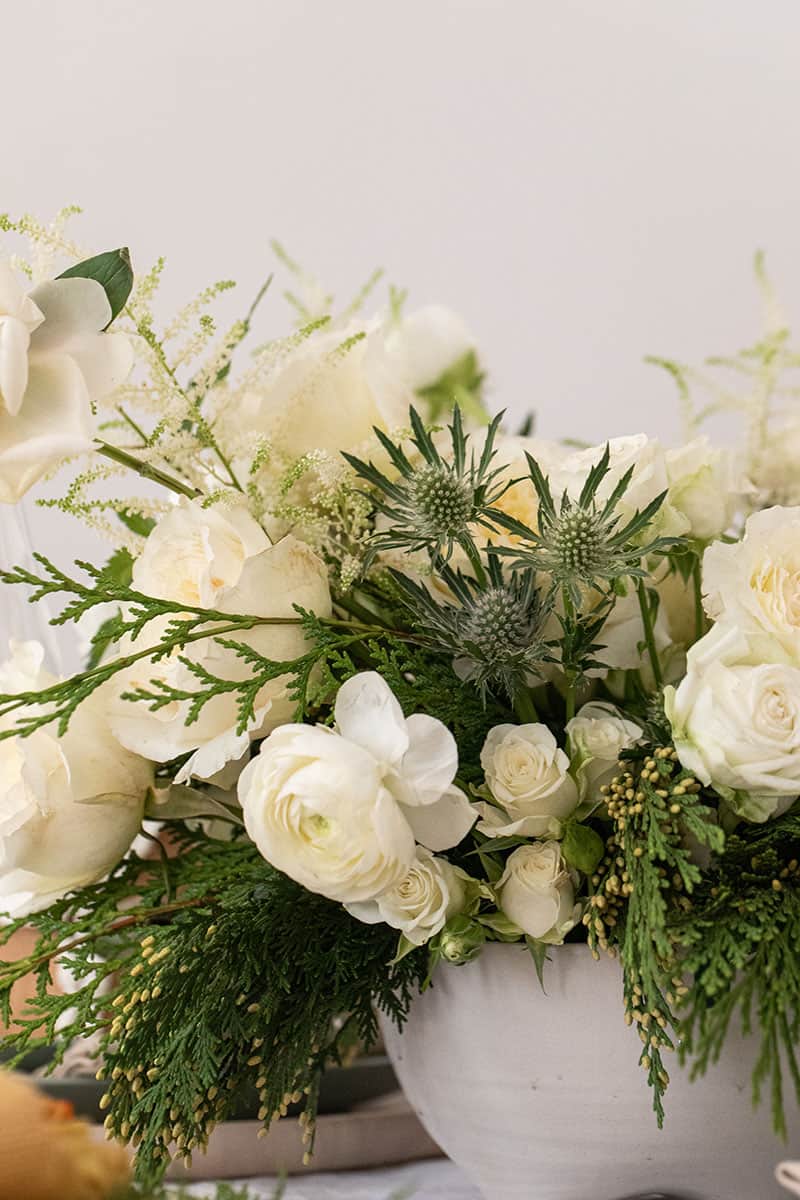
<point>341,1090</point>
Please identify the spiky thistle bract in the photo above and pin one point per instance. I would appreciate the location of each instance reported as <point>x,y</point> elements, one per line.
<point>585,543</point>
<point>433,504</point>
<point>493,631</point>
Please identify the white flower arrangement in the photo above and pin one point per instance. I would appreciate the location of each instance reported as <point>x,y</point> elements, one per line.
<point>394,681</point>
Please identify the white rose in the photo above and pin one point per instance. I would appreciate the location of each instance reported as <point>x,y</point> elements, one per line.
<point>537,892</point>
<point>755,583</point>
<point>421,903</point>
<point>54,362</point>
<point>528,776</point>
<point>736,723</point>
<point>328,393</point>
<point>424,345</point>
<point>218,558</point>
<point>338,810</point>
<point>596,738</point>
<point>702,488</point>
<point>71,805</point>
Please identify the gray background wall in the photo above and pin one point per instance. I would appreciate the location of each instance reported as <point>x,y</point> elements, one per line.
<point>586,182</point>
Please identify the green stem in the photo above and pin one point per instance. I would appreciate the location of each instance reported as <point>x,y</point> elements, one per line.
<point>525,708</point>
<point>699,613</point>
<point>649,633</point>
<point>137,429</point>
<point>473,554</point>
<point>569,669</point>
<point>146,470</point>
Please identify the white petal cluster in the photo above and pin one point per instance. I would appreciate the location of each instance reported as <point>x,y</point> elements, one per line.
<point>340,810</point>
<point>71,805</point>
<point>735,717</point>
<point>422,902</point>
<point>528,777</point>
<point>537,892</point>
<point>218,558</point>
<point>596,737</point>
<point>55,361</point>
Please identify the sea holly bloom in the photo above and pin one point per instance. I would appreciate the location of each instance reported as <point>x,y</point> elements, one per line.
<point>588,541</point>
<point>440,502</point>
<point>55,361</point>
<point>339,810</point>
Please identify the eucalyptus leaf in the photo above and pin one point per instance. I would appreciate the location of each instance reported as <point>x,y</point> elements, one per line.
<point>538,952</point>
<point>181,802</point>
<point>112,270</point>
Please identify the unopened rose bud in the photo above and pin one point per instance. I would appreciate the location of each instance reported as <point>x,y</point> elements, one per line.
<point>461,940</point>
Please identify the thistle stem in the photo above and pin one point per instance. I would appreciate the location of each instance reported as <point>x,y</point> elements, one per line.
<point>649,633</point>
<point>473,554</point>
<point>525,708</point>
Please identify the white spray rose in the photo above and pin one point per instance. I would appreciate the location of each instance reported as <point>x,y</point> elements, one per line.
<point>422,902</point>
<point>70,806</point>
<point>339,810</point>
<point>702,487</point>
<point>596,738</point>
<point>537,892</point>
<point>54,362</point>
<point>755,583</point>
<point>528,776</point>
<point>736,723</point>
<point>217,558</point>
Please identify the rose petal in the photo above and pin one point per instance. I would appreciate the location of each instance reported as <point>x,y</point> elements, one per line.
<point>368,714</point>
<point>441,825</point>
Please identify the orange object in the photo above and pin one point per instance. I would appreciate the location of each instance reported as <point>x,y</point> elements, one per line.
<point>46,1153</point>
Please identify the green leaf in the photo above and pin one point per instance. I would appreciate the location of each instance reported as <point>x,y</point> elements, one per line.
<point>582,847</point>
<point>136,521</point>
<point>112,271</point>
<point>104,637</point>
<point>538,952</point>
<point>119,568</point>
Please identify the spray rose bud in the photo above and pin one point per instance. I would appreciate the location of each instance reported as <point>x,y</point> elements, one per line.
<point>461,940</point>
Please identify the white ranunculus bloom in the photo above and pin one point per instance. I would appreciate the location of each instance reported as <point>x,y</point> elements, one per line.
<point>54,362</point>
<point>528,776</point>
<point>736,723</point>
<point>537,892</point>
<point>70,806</point>
<point>755,583</point>
<point>702,487</point>
<point>218,558</point>
<point>339,810</point>
<point>422,902</point>
<point>596,738</point>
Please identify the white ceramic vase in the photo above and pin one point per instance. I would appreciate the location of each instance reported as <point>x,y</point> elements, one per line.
<point>540,1096</point>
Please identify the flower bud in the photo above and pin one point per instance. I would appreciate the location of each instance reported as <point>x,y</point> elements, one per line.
<point>461,940</point>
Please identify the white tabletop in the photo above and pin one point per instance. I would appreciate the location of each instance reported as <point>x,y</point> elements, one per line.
<point>435,1180</point>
